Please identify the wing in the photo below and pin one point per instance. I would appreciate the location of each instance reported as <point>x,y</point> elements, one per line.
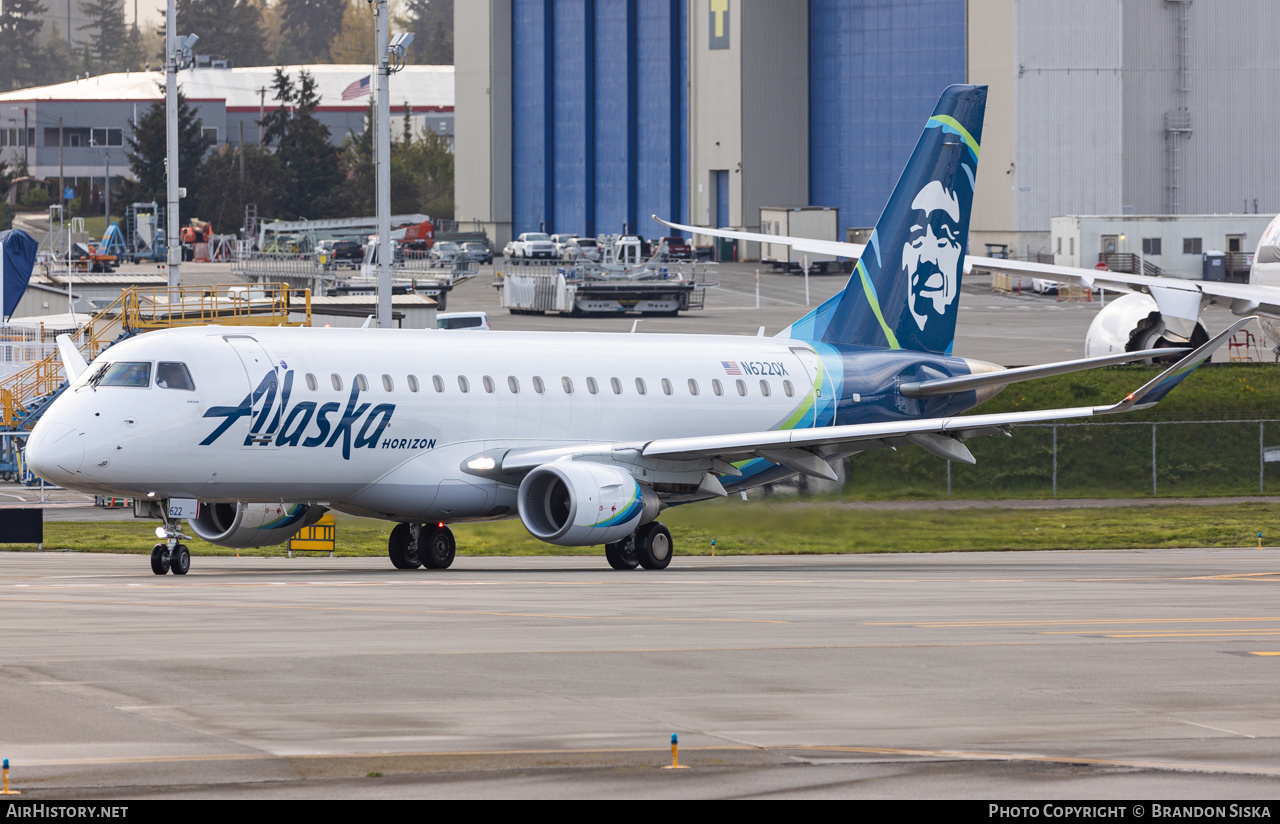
<point>807,450</point>
<point>1176,297</point>
<point>800,244</point>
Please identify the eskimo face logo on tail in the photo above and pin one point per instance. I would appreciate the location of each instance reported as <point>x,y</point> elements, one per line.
<point>358,426</point>
<point>933,253</point>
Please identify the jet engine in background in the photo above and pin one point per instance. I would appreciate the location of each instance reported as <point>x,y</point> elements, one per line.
<point>573,503</point>
<point>1134,322</point>
<point>243,526</point>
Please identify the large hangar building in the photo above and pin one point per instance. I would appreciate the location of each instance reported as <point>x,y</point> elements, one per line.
<point>587,116</point>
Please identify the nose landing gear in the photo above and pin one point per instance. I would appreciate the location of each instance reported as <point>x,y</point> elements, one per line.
<point>171,556</point>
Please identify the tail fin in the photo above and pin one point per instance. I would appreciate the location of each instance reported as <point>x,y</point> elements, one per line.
<point>904,293</point>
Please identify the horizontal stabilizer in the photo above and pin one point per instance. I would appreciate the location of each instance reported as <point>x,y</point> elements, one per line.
<point>800,244</point>
<point>984,380</point>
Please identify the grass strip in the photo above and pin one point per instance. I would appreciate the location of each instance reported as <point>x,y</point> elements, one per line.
<point>793,528</point>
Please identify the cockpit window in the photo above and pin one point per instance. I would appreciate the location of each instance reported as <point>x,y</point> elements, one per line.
<point>126,373</point>
<point>173,376</point>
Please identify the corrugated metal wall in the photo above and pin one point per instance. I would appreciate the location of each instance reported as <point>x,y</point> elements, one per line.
<point>532,97</point>
<point>1070,110</point>
<point>599,114</point>
<point>876,68</point>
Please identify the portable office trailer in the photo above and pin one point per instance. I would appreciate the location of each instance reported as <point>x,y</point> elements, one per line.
<point>820,222</point>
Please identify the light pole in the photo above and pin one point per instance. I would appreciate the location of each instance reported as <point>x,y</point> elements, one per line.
<point>390,59</point>
<point>177,57</point>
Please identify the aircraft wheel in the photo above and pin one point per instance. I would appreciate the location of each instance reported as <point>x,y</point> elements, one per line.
<point>621,555</point>
<point>401,550</point>
<point>180,560</point>
<point>654,546</point>
<point>159,559</point>
<point>439,548</point>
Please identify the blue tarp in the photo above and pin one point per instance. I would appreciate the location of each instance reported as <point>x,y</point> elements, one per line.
<point>16,263</point>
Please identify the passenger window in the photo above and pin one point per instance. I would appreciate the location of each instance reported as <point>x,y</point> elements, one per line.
<point>640,387</point>
<point>788,389</point>
<point>717,388</point>
<point>311,382</point>
<point>693,387</point>
<point>336,380</point>
<point>463,385</point>
<point>591,386</point>
<point>742,387</point>
<point>362,382</point>
<point>617,385</point>
<point>538,385</point>
<point>666,387</point>
<point>388,384</point>
<point>488,384</point>
<point>567,383</point>
<point>437,383</point>
<point>513,385</point>
<point>173,376</point>
<point>413,383</point>
<point>764,388</point>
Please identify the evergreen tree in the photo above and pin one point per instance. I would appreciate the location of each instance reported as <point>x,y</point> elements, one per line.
<point>421,171</point>
<point>431,22</point>
<point>108,35</point>
<point>230,28</point>
<point>147,152</point>
<point>302,144</point>
<point>20,58</point>
<point>311,25</point>
<point>223,195</point>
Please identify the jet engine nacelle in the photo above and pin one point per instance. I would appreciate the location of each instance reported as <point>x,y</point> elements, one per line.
<point>252,525</point>
<point>1132,323</point>
<point>584,504</point>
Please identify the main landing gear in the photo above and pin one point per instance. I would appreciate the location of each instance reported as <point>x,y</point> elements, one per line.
<point>651,547</point>
<point>170,556</point>
<point>421,545</point>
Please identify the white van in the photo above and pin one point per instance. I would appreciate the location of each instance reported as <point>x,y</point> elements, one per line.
<point>462,320</point>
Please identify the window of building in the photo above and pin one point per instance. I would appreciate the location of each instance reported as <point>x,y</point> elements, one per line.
<point>1191,246</point>
<point>210,134</point>
<point>1071,246</point>
<point>1151,246</point>
<point>107,137</point>
<point>1058,250</point>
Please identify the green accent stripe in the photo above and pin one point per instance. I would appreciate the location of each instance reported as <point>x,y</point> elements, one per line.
<point>874,300</point>
<point>947,120</point>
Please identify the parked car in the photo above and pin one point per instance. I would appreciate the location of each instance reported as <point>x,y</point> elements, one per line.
<point>677,248</point>
<point>531,245</point>
<point>340,253</point>
<point>582,248</point>
<point>562,242</point>
<point>462,320</point>
<point>446,251</point>
<point>477,251</point>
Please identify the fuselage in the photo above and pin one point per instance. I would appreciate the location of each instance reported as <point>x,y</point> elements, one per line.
<point>380,422</point>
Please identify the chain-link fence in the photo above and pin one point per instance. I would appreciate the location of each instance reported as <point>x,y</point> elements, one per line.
<point>1087,460</point>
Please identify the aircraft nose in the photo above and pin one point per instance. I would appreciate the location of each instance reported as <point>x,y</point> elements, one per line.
<point>55,451</point>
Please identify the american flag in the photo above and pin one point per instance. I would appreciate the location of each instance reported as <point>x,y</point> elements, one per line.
<point>731,367</point>
<point>357,89</point>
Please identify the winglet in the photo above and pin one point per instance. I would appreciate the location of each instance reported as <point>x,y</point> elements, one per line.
<point>72,362</point>
<point>1159,386</point>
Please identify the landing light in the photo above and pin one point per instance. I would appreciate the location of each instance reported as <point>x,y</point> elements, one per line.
<point>481,464</point>
<point>160,533</point>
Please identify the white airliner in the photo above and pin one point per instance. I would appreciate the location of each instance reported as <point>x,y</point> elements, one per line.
<point>585,437</point>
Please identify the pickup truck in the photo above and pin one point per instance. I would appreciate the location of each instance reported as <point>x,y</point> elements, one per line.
<point>678,248</point>
<point>531,245</point>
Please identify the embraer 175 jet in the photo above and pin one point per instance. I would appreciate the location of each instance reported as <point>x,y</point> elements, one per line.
<point>585,437</point>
